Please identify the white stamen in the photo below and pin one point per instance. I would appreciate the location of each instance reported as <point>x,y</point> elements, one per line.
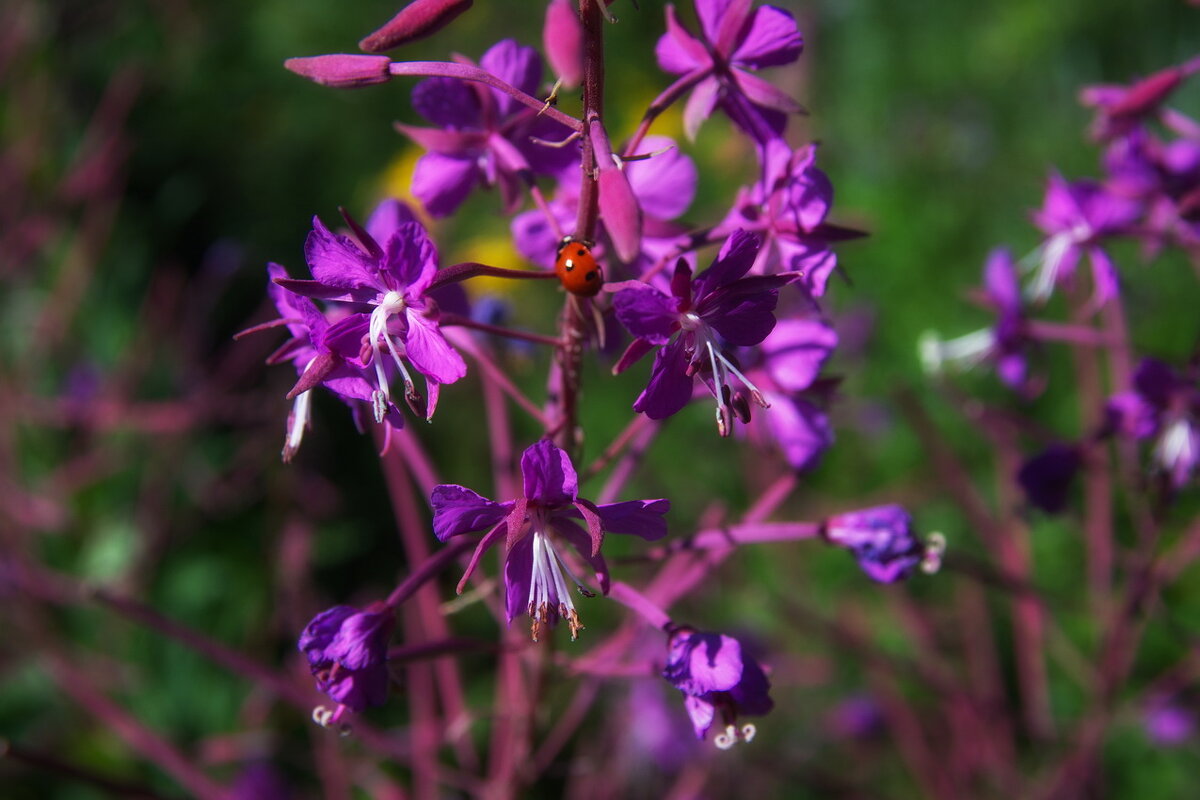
<point>963,352</point>
<point>748,732</point>
<point>391,304</point>
<point>935,547</point>
<point>1048,271</point>
<point>1176,446</point>
<point>298,421</point>
<point>727,739</point>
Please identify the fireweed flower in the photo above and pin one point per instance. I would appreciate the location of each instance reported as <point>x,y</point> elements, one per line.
<point>692,326</point>
<point>788,206</point>
<point>663,185</point>
<point>389,274</point>
<point>347,653</point>
<point>1003,344</point>
<point>883,541</point>
<point>1076,217</point>
<point>736,40</point>
<point>315,362</point>
<point>716,674</point>
<point>534,527</point>
<point>786,364</point>
<point>1163,406</point>
<point>483,136</point>
<point>1122,109</point>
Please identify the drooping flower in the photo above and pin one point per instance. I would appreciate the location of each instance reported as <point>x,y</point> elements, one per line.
<point>534,527</point>
<point>883,541</point>
<point>1004,344</point>
<point>388,272</point>
<point>716,674</point>
<point>482,135</point>
<point>1077,217</point>
<point>315,362</point>
<point>693,326</point>
<point>347,653</point>
<point>1164,406</point>
<point>788,207</point>
<point>737,41</point>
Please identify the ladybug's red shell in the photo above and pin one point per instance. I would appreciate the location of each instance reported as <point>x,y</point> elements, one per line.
<point>577,268</point>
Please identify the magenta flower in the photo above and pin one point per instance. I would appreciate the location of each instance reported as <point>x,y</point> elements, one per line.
<point>1077,217</point>
<point>737,40</point>
<point>1164,406</point>
<point>389,273</point>
<point>482,135</point>
<point>716,674</point>
<point>347,653</point>
<point>787,207</point>
<point>315,362</point>
<point>883,541</point>
<point>1004,344</point>
<point>534,527</point>
<point>692,326</point>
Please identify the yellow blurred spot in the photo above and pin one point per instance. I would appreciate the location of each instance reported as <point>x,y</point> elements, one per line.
<point>496,251</point>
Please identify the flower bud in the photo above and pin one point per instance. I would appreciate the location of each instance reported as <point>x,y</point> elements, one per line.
<point>417,20</point>
<point>342,71</point>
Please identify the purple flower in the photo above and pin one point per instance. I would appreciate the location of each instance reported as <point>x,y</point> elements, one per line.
<point>315,362</point>
<point>536,565</point>
<point>482,135</point>
<point>737,40</point>
<point>692,325</point>
<point>1165,406</point>
<point>716,674</point>
<point>1077,216</point>
<point>387,276</point>
<point>663,185</point>
<point>788,207</point>
<point>883,541</point>
<point>1004,344</point>
<point>1122,109</point>
<point>347,653</point>
<point>791,357</point>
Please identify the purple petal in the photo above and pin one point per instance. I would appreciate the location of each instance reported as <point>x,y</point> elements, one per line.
<point>642,518</point>
<point>345,337</point>
<point>751,695</point>
<point>1000,280</point>
<point>443,182</point>
<point>447,103</point>
<point>1105,281</point>
<point>743,319</point>
<point>764,93</point>
<point>678,52</point>
<point>700,106</point>
<point>387,217</point>
<point>1156,381</point>
<point>335,260</point>
<point>734,23</point>
<point>410,259</point>
<point>796,350</point>
<point>714,664</point>
<point>516,65</point>
<point>429,351</point>
<point>457,510</point>
<point>772,40</point>
<point>550,478</point>
<point>319,633</point>
<point>362,640</point>
<point>664,184</point>
<point>711,14</point>
<point>1047,477</point>
<point>801,429</point>
<point>701,712</point>
<point>735,259</point>
<point>533,236</point>
<point>647,313</point>
<point>670,386</point>
<point>518,575</point>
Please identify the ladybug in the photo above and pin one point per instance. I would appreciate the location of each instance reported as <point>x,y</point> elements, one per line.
<point>577,268</point>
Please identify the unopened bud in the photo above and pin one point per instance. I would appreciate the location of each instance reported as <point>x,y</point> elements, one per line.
<point>563,40</point>
<point>342,71</point>
<point>415,21</point>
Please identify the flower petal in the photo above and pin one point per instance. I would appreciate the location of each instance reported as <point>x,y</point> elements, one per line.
<point>550,478</point>
<point>442,182</point>
<point>458,510</point>
<point>447,103</point>
<point>647,313</point>
<point>642,518</point>
<point>335,260</point>
<point>514,64</point>
<point>678,52</point>
<point>670,386</point>
<point>429,351</point>
<point>518,575</point>
<point>772,40</point>
<point>664,184</point>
